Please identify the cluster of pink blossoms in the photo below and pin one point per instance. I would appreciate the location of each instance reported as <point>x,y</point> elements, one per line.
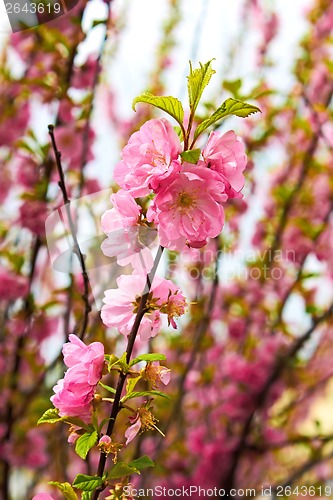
<point>187,207</point>
<point>74,393</point>
<point>121,304</point>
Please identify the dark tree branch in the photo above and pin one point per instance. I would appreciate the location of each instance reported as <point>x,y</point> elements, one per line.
<point>76,246</point>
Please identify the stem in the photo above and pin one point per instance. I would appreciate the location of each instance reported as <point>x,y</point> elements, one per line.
<point>116,407</point>
<point>76,247</point>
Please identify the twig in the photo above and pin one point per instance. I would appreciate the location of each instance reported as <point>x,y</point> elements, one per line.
<point>76,246</point>
<point>302,470</point>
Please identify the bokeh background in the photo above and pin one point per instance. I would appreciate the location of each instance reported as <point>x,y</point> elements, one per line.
<point>251,362</point>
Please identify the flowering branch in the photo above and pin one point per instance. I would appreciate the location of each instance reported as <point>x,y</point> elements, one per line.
<point>261,397</point>
<point>116,406</point>
<point>307,159</point>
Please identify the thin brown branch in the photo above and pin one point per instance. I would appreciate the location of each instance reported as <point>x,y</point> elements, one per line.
<point>76,246</point>
<point>306,467</point>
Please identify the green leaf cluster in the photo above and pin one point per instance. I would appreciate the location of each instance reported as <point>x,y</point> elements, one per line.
<point>198,79</point>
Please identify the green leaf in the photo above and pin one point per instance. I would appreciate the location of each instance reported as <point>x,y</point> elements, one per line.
<point>142,463</point>
<point>198,79</point>
<point>229,107</point>
<point>121,470</point>
<point>98,21</point>
<point>112,360</point>
<point>233,86</point>
<point>51,416</point>
<point>169,104</point>
<point>85,443</point>
<point>86,495</point>
<point>178,131</point>
<point>155,356</point>
<point>87,483</point>
<point>65,488</point>
<point>123,363</point>
<point>131,383</point>
<point>144,393</point>
<point>191,156</point>
<point>108,388</point>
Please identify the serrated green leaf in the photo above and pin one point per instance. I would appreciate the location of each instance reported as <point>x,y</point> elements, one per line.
<point>142,463</point>
<point>51,416</point>
<point>169,104</point>
<point>191,156</point>
<point>85,443</point>
<point>155,356</point>
<point>108,388</point>
<point>87,483</point>
<point>65,488</point>
<point>86,495</point>
<point>198,79</point>
<point>122,470</point>
<point>144,393</point>
<point>229,107</point>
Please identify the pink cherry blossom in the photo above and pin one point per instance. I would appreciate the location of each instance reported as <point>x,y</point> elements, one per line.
<point>105,440</point>
<point>188,209</point>
<point>156,374</point>
<point>225,154</point>
<point>143,420</point>
<point>123,226</point>
<point>74,393</point>
<point>133,429</point>
<point>77,352</point>
<point>12,286</point>
<point>120,304</point>
<point>33,214</point>
<point>150,156</point>
<point>26,171</point>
